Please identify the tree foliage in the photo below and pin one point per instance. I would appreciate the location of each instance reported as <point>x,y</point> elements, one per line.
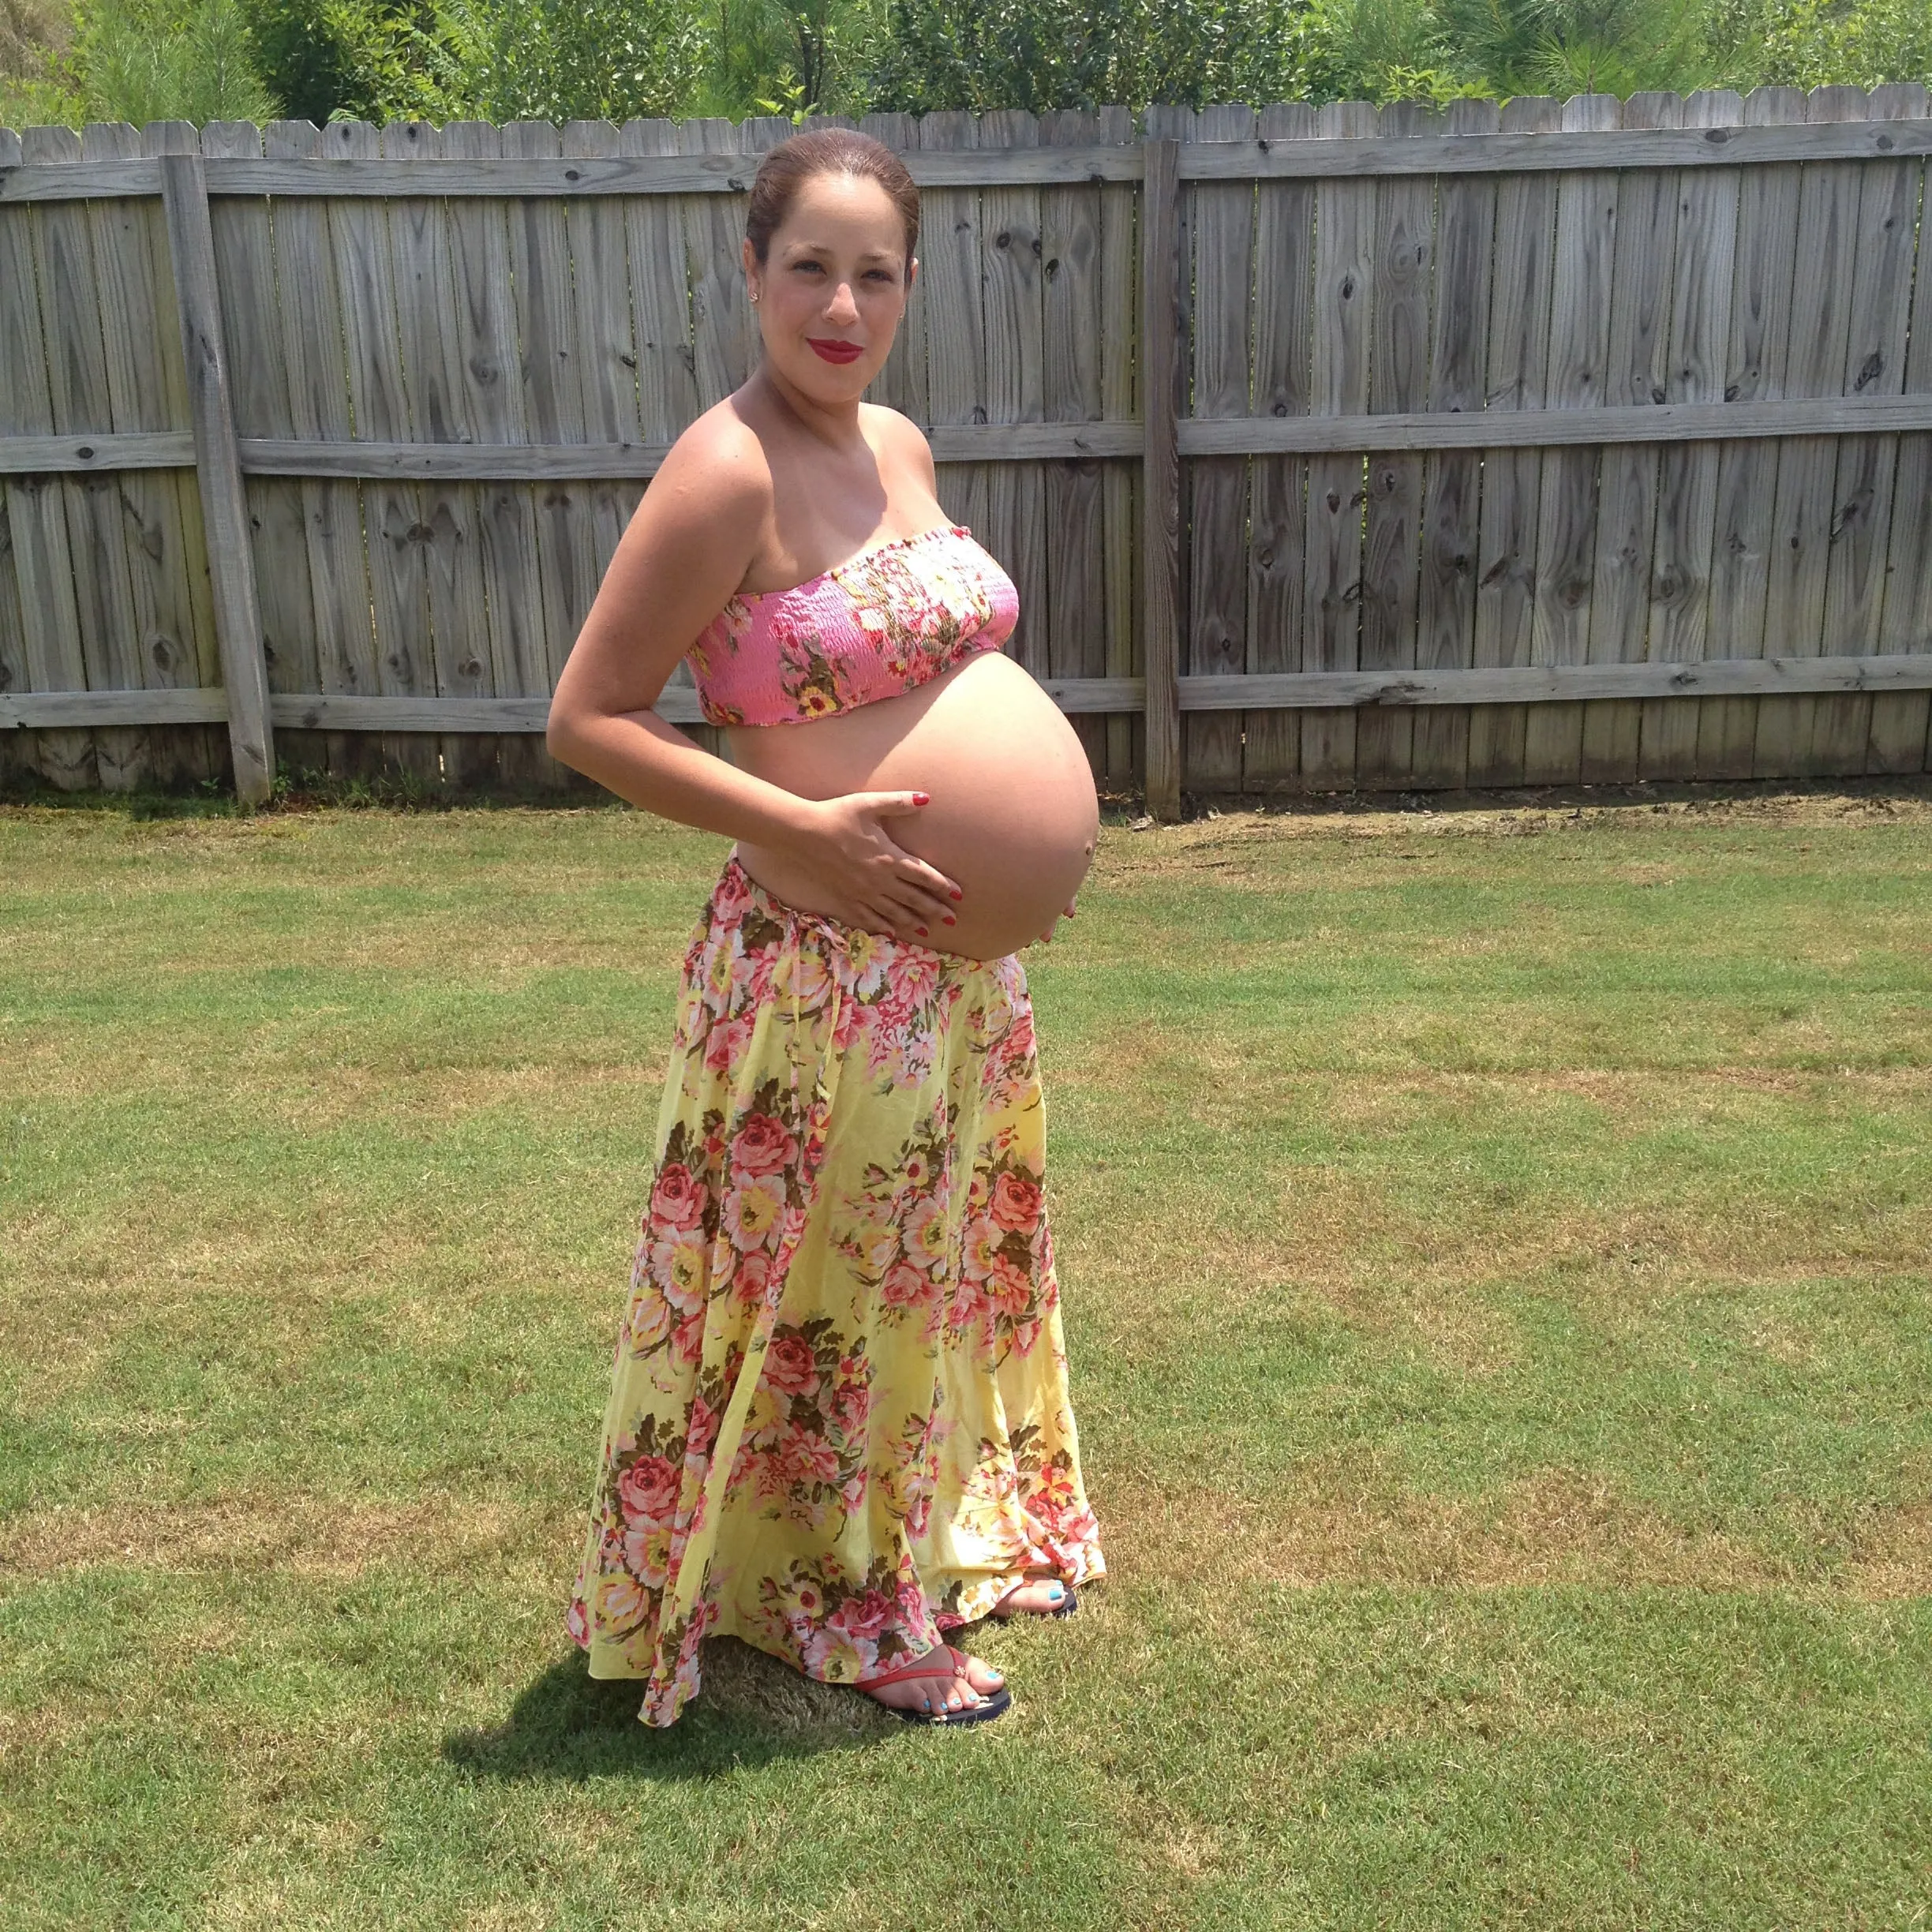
<point>504,60</point>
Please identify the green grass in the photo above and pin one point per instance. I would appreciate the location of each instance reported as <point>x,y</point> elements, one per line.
<point>1495,1251</point>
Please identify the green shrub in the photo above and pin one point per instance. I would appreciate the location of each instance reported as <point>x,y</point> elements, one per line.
<point>1828,43</point>
<point>1043,54</point>
<point>361,59</point>
<point>135,61</point>
<point>197,66</point>
<point>562,60</point>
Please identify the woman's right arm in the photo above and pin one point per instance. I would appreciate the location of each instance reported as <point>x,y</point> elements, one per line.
<point>682,556</point>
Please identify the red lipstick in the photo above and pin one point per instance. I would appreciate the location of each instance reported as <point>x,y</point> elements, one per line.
<point>832,351</point>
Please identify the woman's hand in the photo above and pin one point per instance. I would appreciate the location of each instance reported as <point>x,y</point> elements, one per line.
<point>1047,935</point>
<point>871,880</point>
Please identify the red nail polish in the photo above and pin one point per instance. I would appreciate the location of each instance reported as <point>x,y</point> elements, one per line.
<point>922,798</point>
<point>957,894</point>
<point>920,931</point>
<point>950,920</point>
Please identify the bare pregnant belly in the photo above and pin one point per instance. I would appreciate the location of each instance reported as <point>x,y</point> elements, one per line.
<point>1013,816</point>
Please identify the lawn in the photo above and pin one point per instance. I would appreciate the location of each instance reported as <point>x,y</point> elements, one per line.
<point>1496,1248</point>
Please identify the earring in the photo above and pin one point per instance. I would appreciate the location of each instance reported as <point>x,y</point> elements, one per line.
<point>755,294</point>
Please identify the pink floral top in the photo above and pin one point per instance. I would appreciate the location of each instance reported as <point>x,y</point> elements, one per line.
<point>879,624</point>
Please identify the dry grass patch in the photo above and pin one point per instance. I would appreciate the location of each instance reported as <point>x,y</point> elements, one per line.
<point>279,1531</point>
<point>1893,1556</point>
<point>1558,1526</point>
<point>1345,1241</point>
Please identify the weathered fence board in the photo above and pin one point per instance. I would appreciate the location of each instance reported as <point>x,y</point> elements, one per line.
<point>451,511</point>
<point>1398,375</point>
<point>1452,481</point>
<point>1337,488</point>
<point>488,405</point>
<point>1678,591</point>
<point>950,220</point>
<point>1278,500</point>
<point>1075,630</point>
<point>1528,446</point>
<point>1820,332</point>
<point>143,391</point>
<point>392,512</point>
<point>1518,368</point>
<point>1216,490</point>
<point>1759,333</point>
<point>318,396</point>
<point>1855,586</point>
<point>230,543</point>
<point>78,398</point>
<point>1901,728</point>
<point>1579,347</point>
<point>1016,323</point>
<point>1627,489</point>
<point>1120,735</point>
<point>259,376</point>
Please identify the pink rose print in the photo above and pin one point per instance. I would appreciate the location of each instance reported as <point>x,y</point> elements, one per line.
<point>904,1285</point>
<point>727,1042</point>
<point>687,1339</point>
<point>762,1145</point>
<point>852,1402</point>
<point>865,1617</point>
<point>1015,1202</point>
<point>802,1458</point>
<point>648,1490</point>
<point>1010,1287</point>
<point>790,1367</point>
<point>752,1278</point>
<point>678,1199</point>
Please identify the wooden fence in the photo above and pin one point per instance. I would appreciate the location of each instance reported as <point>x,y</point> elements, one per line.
<point>1571,441</point>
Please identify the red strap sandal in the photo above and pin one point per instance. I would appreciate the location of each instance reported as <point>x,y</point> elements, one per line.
<point>929,1663</point>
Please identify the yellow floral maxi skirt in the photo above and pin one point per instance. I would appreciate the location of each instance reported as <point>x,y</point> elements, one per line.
<point>838,1423</point>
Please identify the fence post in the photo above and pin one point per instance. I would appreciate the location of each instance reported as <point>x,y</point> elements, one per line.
<point>218,467</point>
<point>1161,384</point>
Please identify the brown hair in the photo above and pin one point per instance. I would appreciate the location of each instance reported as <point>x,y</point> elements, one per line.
<point>826,150</point>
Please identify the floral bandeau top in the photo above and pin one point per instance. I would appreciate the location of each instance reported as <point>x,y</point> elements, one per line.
<point>879,624</point>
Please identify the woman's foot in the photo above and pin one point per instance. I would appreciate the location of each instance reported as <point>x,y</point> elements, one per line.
<point>1039,1596</point>
<point>940,1683</point>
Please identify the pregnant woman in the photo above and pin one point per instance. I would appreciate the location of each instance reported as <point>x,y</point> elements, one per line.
<point>838,1424</point>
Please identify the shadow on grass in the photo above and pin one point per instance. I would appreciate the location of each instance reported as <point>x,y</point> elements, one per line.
<point>570,1726</point>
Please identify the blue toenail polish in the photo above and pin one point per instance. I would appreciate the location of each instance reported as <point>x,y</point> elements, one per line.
<point>1056,1592</point>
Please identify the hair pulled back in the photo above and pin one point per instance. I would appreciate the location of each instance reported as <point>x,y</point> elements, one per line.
<point>826,150</point>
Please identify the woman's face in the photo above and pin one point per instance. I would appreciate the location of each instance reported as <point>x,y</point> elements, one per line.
<point>833,286</point>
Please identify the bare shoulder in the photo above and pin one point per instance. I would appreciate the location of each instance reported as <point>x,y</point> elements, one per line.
<point>890,432</point>
<point>718,466</point>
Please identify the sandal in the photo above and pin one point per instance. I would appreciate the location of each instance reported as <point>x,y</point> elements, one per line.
<point>1067,1605</point>
<point>992,1703</point>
